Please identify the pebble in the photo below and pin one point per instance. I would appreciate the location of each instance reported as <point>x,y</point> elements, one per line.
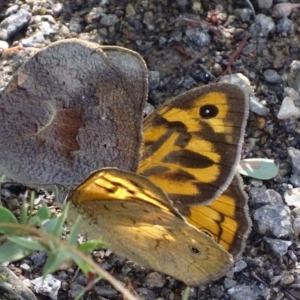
<point>285,25</point>
<point>274,219</point>
<point>145,293</point>
<point>12,287</point>
<point>106,291</point>
<point>74,290</point>
<point>282,10</point>
<point>292,197</point>
<point>239,266</point>
<point>291,93</point>
<point>241,81</point>
<point>294,155</point>
<point>155,280</point>
<point>153,79</point>
<point>25,267</point>
<point>277,246</point>
<point>38,258</point>
<point>3,45</point>
<point>294,76</point>
<point>109,20</point>
<point>93,15</point>
<point>262,26</point>
<point>272,76</point>
<point>262,195</point>
<point>76,24</point>
<point>197,37</point>
<point>296,225</point>
<point>288,110</point>
<point>257,107</point>
<point>287,279</point>
<point>245,292</point>
<point>47,286</point>
<point>13,23</point>
<point>37,40</point>
<point>244,14</point>
<point>265,4</point>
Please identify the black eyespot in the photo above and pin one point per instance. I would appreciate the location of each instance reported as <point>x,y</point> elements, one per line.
<point>194,250</point>
<point>208,111</point>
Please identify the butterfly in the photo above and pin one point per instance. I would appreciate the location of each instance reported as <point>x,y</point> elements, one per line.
<point>76,107</point>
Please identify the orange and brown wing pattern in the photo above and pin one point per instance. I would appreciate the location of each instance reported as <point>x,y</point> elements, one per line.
<point>226,219</point>
<point>192,143</point>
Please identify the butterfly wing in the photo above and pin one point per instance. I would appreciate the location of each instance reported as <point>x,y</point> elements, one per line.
<point>226,220</point>
<point>192,143</point>
<point>70,110</point>
<point>137,220</point>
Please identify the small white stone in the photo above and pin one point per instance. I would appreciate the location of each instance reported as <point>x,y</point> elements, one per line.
<point>292,197</point>
<point>288,109</point>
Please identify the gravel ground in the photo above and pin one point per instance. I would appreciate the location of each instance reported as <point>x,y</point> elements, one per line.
<point>187,43</point>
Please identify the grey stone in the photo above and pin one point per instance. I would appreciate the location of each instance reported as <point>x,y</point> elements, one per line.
<point>265,4</point>
<point>296,225</point>
<point>245,292</point>
<point>257,107</point>
<point>244,14</point>
<point>294,76</point>
<point>241,81</point>
<point>106,291</point>
<point>197,37</point>
<point>272,76</point>
<point>47,286</point>
<point>155,280</point>
<point>47,28</point>
<point>109,20</point>
<point>239,266</point>
<point>262,26</point>
<point>94,14</point>
<point>3,45</point>
<point>76,24</point>
<point>277,246</point>
<point>274,219</point>
<point>285,25</point>
<point>292,197</point>
<point>12,24</point>
<point>294,155</point>
<point>295,180</point>
<point>11,287</point>
<point>288,110</point>
<point>74,290</point>
<point>262,195</point>
<point>153,78</point>
<point>36,40</point>
<point>145,293</point>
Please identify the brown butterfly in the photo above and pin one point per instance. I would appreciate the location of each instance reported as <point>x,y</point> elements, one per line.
<point>76,107</point>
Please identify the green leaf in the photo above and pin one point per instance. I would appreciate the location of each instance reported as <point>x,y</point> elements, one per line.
<point>73,236</point>
<point>27,242</point>
<point>6,216</point>
<point>260,168</point>
<point>10,251</point>
<point>32,198</point>
<point>82,265</point>
<point>34,221</point>
<point>62,219</point>
<point>43,213</point>
<point>56,260</point>
<point>50,224</point>
<point>24,213</point>
<point>90,246</point>
<point>186,293</point>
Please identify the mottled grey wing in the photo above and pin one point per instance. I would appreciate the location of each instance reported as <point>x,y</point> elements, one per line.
<point>70,110</point>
